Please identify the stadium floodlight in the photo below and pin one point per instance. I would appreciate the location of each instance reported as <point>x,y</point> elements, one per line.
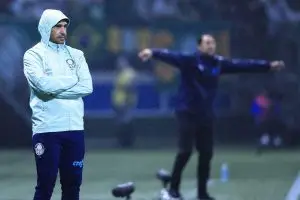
<point>124,190</point>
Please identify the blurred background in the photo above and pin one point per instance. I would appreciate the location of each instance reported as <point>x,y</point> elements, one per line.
<point>129,117</point>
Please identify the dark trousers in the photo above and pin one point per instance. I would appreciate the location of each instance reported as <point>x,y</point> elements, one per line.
<point>124,127</point>
<point>197,131</point>
<point>125,134</point>
<point>63,152</point>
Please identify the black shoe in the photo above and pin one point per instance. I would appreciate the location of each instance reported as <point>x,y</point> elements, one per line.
<point>175,195</point>
<point>205,197</point>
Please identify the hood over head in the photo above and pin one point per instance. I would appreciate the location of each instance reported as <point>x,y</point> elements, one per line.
<point>48,20</point>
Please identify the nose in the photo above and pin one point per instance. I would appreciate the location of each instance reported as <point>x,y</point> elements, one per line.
<point>62,30</point>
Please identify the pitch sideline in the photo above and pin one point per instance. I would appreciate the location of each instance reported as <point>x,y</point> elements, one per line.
<point>294,192</point>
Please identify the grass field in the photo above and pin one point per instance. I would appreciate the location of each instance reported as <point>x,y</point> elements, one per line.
<point>252,177</point>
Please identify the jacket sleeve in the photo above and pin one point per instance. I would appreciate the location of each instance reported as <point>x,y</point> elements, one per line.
<point>242,65</point>
<point>176,59</point>
<point>39,81</point>
<point>84,87</point>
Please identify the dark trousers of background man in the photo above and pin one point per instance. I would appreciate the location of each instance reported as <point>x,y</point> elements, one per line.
<point>194,130</point>
<point>124,128</point>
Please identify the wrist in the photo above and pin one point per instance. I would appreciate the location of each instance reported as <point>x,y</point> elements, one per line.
<point>154,52</point>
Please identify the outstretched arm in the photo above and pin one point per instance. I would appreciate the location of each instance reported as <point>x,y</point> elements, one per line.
<point>247,65</point>
<point>176,59</point>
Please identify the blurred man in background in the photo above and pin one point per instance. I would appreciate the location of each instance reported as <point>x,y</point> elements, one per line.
<point>266,111</point>
<point>59,77</point>
<point>194,111</point>
<point>124,100</point>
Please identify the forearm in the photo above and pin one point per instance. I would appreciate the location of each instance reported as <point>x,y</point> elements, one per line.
<point>81,89</point>
<point>41,82</point>
<point>166,56</point>
<point>85,85</point>
<point>244,66</point>
<point>54,85</point>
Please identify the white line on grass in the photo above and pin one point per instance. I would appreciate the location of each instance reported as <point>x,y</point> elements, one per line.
<point>294,191</point>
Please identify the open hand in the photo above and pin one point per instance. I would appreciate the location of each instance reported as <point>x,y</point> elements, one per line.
<point>277,65</point>
<point>145,54</point>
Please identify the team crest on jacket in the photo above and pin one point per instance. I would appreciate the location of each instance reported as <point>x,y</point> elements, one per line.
<point>39,149</point>
<point>71,63</point>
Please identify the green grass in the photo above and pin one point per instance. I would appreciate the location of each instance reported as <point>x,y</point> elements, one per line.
<point>252,177</point>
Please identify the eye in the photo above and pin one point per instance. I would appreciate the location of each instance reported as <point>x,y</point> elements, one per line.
<point>61,25</point>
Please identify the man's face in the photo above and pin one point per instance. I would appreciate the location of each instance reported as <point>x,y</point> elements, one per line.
<point>208,45</point>
<point>59,33</point>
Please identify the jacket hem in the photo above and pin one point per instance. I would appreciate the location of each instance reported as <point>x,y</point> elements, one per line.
<point>52,130</point>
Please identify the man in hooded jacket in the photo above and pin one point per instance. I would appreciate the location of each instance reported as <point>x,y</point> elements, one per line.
<point>58,77</point>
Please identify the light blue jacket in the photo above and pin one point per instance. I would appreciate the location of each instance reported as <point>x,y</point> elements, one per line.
<point>59,77</point>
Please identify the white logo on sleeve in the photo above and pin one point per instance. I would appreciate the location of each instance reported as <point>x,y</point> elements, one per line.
<point>39,149</point>
<point>201,67</point>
